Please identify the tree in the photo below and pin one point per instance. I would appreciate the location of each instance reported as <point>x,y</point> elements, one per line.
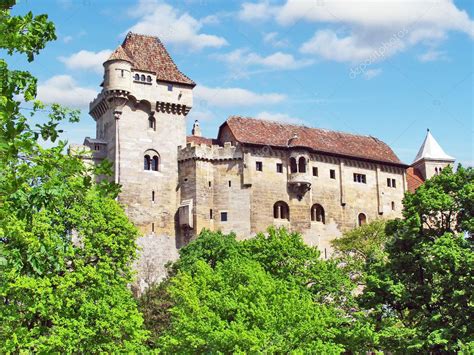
<point>361,248</point>
<point>271,293</point>
<point>65,244</point>
<point>422,298</point>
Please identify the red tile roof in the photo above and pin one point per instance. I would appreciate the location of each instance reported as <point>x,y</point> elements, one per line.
<point>262,132</point>
<point>414,179</point>
<point>147,53</point>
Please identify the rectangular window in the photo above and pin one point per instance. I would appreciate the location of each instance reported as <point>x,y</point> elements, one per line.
<point>210,214</point>
<point>170,87</point>
<point>223,216</point>
<point>210,184</point>
<point>332,174</point>
<point>389,182</point>
<point>315,171</point>
<point>394,183</point>
<point>279,167</point>
<point>230,183</point>
<point>259,166</point>
<point>360,178</point>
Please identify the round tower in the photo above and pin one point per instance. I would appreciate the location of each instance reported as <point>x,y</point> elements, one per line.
<point>117,75</point>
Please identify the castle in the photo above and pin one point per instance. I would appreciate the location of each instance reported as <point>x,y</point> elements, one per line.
<point>256,173</point>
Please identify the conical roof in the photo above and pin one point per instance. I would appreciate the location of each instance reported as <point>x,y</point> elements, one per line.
<point>431,150</point>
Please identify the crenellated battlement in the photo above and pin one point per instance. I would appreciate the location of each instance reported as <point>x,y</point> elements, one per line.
<point>209,152</point>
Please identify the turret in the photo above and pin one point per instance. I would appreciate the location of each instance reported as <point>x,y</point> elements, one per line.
<point>431,158</point>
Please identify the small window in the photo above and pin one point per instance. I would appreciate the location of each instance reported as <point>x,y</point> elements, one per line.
<point>142,77</point>
<point>259,166</point>
<point>394,183</point>
<point>223,216</point>
<point>97,147</point>
<point>436,171</point>
<point>293,165</point>
<point>230,183</point>
<point>153,196</point>
<point>136,77</point>
<point>393,206</point>
<point>362,219</point>
<point>210,184</point>
<point>317,213</point>
<point>148,79</point>
<point>279,167</point>
<point>360,178</point>
<point>281,210</point>
<point>389,182</point>
<point>210,214</point>
<point>170,87</point>
<point>146,162</point>
<point>154,163</point>
<point>122,73</point>
<point>332,174</point>
<point>302,164</point>
<point>315,171</point>
<point>153,227</point>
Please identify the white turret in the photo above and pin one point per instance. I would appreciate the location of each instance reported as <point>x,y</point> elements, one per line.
<point>117,75</point>
<point>431,158</point>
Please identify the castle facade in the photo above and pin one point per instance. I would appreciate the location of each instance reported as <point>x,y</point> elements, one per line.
<point>255,174</point>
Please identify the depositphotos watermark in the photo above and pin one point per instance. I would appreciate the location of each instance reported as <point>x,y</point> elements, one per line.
<point>378,54</point>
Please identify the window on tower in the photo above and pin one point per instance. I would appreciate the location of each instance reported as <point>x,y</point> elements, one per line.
<point>151,161</point>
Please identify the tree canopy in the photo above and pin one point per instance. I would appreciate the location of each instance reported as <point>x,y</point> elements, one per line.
<point>66,246</point>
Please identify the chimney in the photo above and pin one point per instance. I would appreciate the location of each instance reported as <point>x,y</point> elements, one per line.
<point>196,129</point>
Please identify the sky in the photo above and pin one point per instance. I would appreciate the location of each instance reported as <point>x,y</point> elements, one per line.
<point>387,68</point>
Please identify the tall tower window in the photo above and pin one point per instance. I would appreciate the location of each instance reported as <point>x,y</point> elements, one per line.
<point>152,123</point>
<point>151,161</point>
<point>302,165</point>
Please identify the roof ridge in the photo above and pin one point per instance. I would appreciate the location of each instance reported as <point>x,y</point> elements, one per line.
<point>305,126</point>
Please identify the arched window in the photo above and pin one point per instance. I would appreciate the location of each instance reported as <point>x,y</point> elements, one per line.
<point>302,165</point>
<point>147,162</point>
<point>152,123</point>
<point>155,163</point>
<point>281,210</point>
<point>362,219</point>
<point>293,165</point>
<point>148,78</point>
<point>436,171</point>
<point>136,77</point>
<point>142,77</point>
<point>317,213</point>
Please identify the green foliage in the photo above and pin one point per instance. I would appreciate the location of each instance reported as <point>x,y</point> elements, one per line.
<point>270,293</point>
<point>361,248</point>
<point>66,246</point>
<point>422,297</point>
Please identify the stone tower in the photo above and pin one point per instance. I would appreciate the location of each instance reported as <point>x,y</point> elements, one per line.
<point>140,121</point>
<point>431,158</point>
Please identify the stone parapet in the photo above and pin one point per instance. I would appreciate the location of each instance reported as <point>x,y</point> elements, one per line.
<point>210,152</point>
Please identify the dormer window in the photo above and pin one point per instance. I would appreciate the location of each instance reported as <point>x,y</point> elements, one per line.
<point>136,77</point>
<point>148,79</point>
<point>142,77</point>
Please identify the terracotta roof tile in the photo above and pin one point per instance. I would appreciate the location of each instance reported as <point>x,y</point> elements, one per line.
<point>414,179</point>
<point>147,53</point>
<point>263,132</point>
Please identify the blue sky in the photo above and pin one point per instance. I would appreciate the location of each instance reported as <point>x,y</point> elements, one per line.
<point>388,68</point>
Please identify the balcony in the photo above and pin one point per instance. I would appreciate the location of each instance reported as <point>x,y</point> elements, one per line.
<point>299,181</point>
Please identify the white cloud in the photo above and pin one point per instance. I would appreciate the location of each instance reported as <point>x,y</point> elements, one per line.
<point>87,60</point>
<point>277,60</point>
<point>63,89</point>
<point>279,117</point>
<point>231,97</point>
<point>432,55</point>
<point>172,26</point>
<point>256,11</point>
<point>368,25</point>
<point>372,73</point>
<point>272,39</point>
<point>67,39</point>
